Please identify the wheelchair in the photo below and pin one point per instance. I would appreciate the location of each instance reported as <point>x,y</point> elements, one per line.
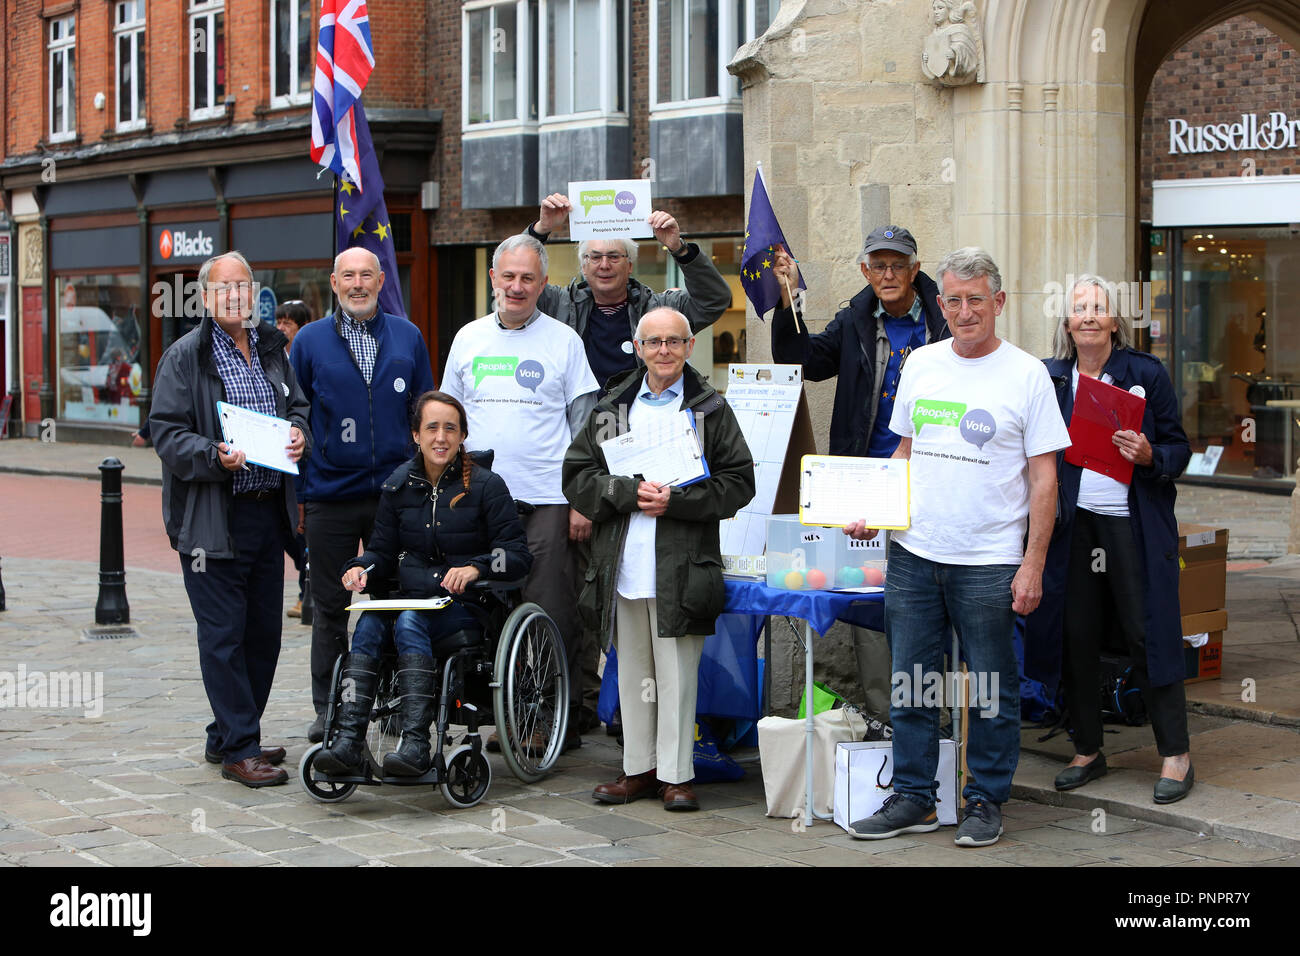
<point>517,671</point>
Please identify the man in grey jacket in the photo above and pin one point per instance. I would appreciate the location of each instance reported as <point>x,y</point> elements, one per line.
<point>228,519</point>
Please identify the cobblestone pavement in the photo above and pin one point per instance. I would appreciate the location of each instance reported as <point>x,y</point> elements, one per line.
<point>130,787</point>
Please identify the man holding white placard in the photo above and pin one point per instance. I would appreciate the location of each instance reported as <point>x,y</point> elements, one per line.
<point>654,585</point>
<point>605,304</point>
<point>980,427</point>
<point>228,519</point>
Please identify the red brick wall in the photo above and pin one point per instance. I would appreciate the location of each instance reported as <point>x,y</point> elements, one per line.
<point>1236,67</point>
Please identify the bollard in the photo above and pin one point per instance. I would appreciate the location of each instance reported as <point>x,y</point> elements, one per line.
<point>111,606</point>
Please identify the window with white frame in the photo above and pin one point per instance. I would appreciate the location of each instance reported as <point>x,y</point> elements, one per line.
<point>128,37</point>
<point>583,56</point>
<point>63,78</point>
<point>207,59</point>
<point>292,62</point>
<point>691,42</point>
<point>498,68</point>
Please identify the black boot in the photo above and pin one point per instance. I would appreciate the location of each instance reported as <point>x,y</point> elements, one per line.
<point>417,680</point>
<point>347,752</point>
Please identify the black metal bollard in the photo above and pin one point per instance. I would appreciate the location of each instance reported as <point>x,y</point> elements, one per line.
<point>111,606</point>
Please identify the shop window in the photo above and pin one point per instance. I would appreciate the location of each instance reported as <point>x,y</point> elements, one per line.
<point>292,61</point>
<point>207,59</point>
<point>99,344</point>
<point>584,56</point>
<point>691,42</point>
<point>128,36</point>
<point>499,68</point>
<point>308,284</point>
<point>63,79</point>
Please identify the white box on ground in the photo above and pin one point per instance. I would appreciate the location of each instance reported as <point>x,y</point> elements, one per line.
<point>863,774</point>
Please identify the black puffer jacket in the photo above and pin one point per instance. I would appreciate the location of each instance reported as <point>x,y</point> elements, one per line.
<point>421,531</point>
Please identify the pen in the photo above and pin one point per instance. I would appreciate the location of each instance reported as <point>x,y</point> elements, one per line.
<point>367,570</point>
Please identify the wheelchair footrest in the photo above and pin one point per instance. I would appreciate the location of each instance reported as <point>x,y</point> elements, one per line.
<point>425,779</point>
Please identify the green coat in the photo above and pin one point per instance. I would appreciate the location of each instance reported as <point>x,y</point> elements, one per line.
<point>688,558</point>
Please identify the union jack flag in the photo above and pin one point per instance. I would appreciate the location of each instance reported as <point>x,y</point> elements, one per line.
<point>345,58</point>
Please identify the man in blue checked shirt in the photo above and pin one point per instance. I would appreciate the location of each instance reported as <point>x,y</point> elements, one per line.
<point>227,518</point>
<point>361,369</point>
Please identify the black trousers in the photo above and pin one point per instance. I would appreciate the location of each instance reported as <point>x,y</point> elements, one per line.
<point>334,528</point>
<point>1105,594</point>
<point>552,583</point>
<point>238,605</point>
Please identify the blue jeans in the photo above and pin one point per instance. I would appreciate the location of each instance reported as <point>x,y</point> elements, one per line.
<point>414,632</point>
<point>923,600</point>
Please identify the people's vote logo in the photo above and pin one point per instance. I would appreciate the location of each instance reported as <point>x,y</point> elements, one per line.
<point>977,427</point>
<point>928,411</point>
<point>625,202</point>
<point>485,366</point>
<point>399,385</point>
<point>530,374</point>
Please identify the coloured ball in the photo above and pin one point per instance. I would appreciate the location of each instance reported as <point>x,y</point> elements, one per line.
<point>873,577</point>
<point>794,581</point>
<point>850,577</point>
<point>776,579</point>
<point>816,578</point>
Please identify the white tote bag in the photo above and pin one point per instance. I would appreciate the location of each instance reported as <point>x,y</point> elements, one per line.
<point>781,750</point>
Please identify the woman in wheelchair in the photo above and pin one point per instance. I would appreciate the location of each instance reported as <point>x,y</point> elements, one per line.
<point>445,520</point>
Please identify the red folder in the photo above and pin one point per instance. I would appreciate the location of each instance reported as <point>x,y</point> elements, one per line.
<point>1101,410</point>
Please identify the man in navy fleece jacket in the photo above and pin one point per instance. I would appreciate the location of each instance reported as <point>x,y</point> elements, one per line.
<point>361,369</point>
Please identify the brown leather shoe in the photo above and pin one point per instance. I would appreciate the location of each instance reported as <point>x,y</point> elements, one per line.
<point>254,772</point>
<point>626,789</point>
<point>295,611</point>
<point>679,796</point>
<point>272,755</point>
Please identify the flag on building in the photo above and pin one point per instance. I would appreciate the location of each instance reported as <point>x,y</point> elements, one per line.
<point>762,235</point>
<point>345,58</point>
<point>361,219</point>
<point>340,140</point>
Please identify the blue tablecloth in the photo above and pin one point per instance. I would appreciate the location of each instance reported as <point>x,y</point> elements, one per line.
<point>821,609</point>
<point>729,675</point>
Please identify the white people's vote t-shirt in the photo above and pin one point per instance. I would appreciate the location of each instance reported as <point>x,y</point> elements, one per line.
<point>516,386</point>
<point>974,423</point>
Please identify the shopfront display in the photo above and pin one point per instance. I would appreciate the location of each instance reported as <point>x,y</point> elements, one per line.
<point>100,327</point>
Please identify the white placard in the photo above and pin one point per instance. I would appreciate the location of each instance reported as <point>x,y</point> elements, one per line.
<point>262,438</point>
<point>665,451</point>
<point>837,490</point>
<point>610,209</point>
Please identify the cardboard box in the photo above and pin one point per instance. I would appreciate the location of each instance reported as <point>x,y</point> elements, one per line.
<point>1203,560</point>
<point>1204,662</point>
<point>1205,622</point>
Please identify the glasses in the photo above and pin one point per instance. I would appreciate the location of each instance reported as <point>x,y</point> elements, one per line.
<point>953,303</point>
<point>879,270</point>
<point>221,288</point>
<point>614,258</point>
<point>674,343</point>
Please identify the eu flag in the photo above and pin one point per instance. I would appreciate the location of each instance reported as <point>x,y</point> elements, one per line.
<point>361,218</point>
<point>762,235</point>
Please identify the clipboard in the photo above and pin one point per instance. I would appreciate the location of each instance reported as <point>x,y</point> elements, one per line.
<point>836,490</point>
<point>1100,410</point>
<point>261,437</point>
<point>664,452</point>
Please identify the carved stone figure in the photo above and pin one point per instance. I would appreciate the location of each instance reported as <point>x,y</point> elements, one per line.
<point>953,53</point>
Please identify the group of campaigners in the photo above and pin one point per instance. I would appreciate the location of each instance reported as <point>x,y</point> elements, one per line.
<point>500,474</point>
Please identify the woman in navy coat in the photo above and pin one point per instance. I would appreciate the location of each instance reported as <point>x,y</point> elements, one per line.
<point>1113,561</point>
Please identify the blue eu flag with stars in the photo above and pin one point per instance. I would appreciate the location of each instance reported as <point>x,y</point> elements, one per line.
<point>762,235</point>
<point>361,219</point>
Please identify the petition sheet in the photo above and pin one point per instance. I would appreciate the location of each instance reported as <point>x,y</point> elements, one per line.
<point>262,438</point>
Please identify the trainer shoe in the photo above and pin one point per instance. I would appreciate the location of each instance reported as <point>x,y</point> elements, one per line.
<point>980,824</point>
<point>898,815</point>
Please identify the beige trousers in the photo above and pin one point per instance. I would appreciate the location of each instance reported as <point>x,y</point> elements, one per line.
<point>657,682</point>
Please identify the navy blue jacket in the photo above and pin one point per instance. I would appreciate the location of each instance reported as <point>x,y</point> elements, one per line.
<point>847,348</point>
<point>421,531</point>
<point>362,431</point>
<point>1151,513</point>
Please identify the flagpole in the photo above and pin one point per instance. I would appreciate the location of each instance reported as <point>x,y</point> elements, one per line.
<point>794,306</point>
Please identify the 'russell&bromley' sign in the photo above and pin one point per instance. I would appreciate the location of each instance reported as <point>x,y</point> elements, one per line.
<point>1275,131</point>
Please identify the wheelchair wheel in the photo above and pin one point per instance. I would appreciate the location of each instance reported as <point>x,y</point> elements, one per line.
<point>320,790</point>
<point>384,731</point>
<point>530,694</point>
<point>468,777</point>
